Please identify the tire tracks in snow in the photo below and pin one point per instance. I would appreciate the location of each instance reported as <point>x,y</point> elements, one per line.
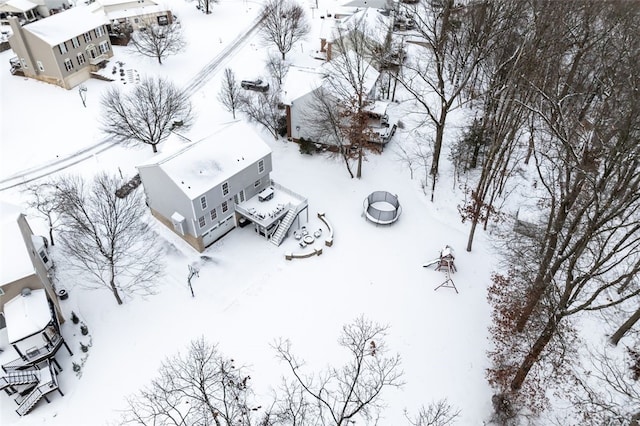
<point>197,82</point>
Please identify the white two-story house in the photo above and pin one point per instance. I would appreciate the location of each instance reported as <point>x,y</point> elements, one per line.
<point>199,190</point>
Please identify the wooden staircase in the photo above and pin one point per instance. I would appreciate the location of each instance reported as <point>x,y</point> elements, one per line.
<point>283,228</point>
<point>47,384</point>
<point>15,378</point>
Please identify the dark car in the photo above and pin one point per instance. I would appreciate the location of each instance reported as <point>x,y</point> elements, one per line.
<point>257,85</point>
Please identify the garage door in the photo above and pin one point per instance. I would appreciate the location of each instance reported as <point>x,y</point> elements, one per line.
<point>217,231</point>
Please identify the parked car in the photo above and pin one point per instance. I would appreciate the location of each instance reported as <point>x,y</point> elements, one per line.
<point>257,85</point>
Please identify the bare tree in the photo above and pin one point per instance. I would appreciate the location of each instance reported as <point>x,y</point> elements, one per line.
<point>158,41</point>
<point>200,387</point>
<point>625,327</point>
<point>147,113</point>
<point>105,238</point>
<point>264,109</point>
<point>205,5</point>
<point>284,23</point>
<point>230,95</point>
<point>457,38</point>
<point>42,198</point>
<point>277,67</point>
<point>339,396</point>
<point>349,84</point>
<point>439,413</point>
<point>326,124</point>
<point>604,392</point>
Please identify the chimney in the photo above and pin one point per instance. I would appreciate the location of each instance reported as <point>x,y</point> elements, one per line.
<point>19,46</point>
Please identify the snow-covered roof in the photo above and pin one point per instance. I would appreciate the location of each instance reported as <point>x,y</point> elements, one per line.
<point>377,4</point>
<point>139,11</point>
<point>300,81</point>
<point>376,26</point>
<point>125,2</point>
<point>65,25</point>
<point>377,107</point>
<point>26,315</point>
<point>207,163</point>
<point>303,80</point>
<point>15,262</point>
<point>120,9</point>
<point>17,6</point>
<point>340,84</point>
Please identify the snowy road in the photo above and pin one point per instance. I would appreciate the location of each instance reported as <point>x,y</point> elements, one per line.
<point>196,83</point>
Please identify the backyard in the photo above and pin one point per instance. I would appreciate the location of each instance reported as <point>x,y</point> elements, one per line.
<point>247,294</point>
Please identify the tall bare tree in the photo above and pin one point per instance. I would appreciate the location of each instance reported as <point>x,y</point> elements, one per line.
<point>105,238</point>
<point>158,41</point>
<point>145,114</point>
<point>456,38</point>
<point>229,94</point>
<point>284,23</point>
<point>205,5</point>
<point>587,159</point>
<point>264,109</point>
<point>349,85</point>
<point>339,396</point>
<point>277,67</point>
<point>42,198</point>
<point>201,387</point>
<point>325,123</point>
<point>625,326</point>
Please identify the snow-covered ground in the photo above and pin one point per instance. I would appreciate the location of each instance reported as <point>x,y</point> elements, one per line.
<point>248,295</point>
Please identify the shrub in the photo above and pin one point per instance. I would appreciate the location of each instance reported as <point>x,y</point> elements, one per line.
<point>74,318</point>
<point>83,347</point>
<point>307,146</point>
<point>76,367</point>
<point>84,329</point>
<point>282,126</point>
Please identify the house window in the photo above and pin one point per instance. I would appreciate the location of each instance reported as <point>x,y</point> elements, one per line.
<point>225,188</point>
<point>104,47</point>
<point>201,221</point>
<point>62,47</point>
<point>99,32</point>
<point>87,37</point>
<point>261,166</point>
<point>68,64</point>
<point>256,183</point>
<point>24,63</point>
<point>40,66</point>
<point>203,202</point>
<point>214,214</point>
<point>225,207</point>
<point>163,20</point>
<point>75,42</point>
<point>81,59</point>
<point>43,256</point>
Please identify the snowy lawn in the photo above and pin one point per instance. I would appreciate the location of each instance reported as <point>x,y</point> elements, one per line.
<point>248,295</point>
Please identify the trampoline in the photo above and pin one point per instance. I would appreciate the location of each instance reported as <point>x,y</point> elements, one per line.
<point>382,208</point>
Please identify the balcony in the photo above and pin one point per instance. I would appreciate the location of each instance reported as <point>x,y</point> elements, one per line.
<point>35,355</point>
<point>16,66</point>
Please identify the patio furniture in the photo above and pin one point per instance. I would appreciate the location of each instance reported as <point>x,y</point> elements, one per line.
<point>297,235</point>
<point>318,233</point>
<point>308,239</point>
<point>266,194</point>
